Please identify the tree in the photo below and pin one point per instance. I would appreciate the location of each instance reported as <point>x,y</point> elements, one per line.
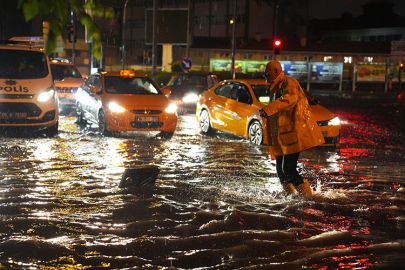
<point>57,14</point>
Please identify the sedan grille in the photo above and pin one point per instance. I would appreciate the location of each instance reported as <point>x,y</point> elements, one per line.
<point>146,111</point>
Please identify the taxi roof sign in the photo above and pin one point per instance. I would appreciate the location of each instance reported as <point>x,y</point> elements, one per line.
<point>127,73</point>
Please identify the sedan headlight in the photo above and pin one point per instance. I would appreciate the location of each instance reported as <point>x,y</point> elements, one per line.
<point>190,98</point>
<point>46,95</point>
<point>172,108</point>
<point>334,121</point>
<point>114,107</point>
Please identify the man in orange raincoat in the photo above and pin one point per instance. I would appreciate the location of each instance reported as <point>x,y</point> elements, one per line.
<point>291,128</point>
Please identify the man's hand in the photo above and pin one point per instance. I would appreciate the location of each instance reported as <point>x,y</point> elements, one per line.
<point>263,114</point>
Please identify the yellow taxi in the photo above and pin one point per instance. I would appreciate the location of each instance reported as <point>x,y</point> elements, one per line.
<point>125,101</point>
<point>232,106</point>
<point>67,79</point>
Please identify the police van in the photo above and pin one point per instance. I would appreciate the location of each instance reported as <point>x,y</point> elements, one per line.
<point>27,92</point>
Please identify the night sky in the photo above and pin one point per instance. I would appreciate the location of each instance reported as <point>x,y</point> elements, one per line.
<point>323,9</point>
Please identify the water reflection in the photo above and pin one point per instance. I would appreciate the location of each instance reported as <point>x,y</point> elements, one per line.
<point>216,204</point>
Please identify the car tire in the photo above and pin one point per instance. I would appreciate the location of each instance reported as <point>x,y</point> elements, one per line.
<point>102,126</point>
<point>255,132</point>
<point>53,130</point>
<point>205,122</point>
<point>79,114</point>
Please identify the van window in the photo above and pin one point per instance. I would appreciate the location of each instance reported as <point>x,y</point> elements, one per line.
<point>21,64</point>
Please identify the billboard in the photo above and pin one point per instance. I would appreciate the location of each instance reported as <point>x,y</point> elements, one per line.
<point>371,72</point>
<point>297,70</point>
<point>255,66</point>
<point>393,73</point>
<point>320,72</point>
<point>226,65</point>
<point>326,72</point>
<point>171,26</point>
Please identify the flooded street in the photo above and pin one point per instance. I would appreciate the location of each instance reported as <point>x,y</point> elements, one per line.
<point>216,203</point>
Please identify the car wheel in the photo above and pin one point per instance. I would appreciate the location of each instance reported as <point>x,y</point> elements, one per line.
<point>79,114</point>
<point>256,132</point>
<point>205,123</point>
<point>53,130</point>
<point>102,126</point>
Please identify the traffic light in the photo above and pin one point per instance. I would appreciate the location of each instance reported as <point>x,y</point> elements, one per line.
<point>276,46</point>
<point>401,66</point>
<point>71,33</point>
<point>45,29</point>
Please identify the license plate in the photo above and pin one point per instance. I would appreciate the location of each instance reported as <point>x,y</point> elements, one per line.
<point>147,118</point>
<point>13,115</point>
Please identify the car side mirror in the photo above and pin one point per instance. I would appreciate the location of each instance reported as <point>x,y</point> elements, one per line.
<point>84,76</point>
<point>94,89</point>
<point>166,92</point>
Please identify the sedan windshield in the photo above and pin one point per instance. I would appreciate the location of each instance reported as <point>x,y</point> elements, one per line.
<point>135,86</point>
<point>262,93</point>
<point>59,72</point>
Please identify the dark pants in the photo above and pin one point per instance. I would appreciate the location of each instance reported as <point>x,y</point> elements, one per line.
<point>287,169</point>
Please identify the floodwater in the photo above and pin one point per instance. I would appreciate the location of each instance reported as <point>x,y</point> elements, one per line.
<point>216,203</point>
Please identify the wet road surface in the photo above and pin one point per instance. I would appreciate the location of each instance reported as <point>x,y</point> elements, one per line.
<point>216,203</point>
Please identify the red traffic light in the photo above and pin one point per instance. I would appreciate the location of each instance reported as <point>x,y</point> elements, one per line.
<point>276,46</point>
<point>401,65</point>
